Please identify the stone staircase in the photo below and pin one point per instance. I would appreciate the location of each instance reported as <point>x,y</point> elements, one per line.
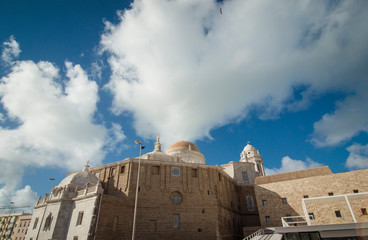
<point>264,234</point>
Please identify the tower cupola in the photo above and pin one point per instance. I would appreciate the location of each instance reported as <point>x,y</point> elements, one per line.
<point>251,154</point>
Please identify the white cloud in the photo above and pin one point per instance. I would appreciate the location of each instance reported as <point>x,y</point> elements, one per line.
<point>11,50</point>
<point>182,68</point>
<point>23,199</point>
<point>358,157</point>
<point>96,70</point>
<point>116,137</point>
<point>55,126</point>
<point>289,165</point>
<point>55,117</point>
<point>350,118</point>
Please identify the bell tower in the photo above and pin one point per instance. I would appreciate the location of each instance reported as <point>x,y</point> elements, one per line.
<point>251,154</point>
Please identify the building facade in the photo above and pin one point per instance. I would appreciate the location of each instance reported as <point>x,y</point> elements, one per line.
<point>316,196</point>
<point>182,197</point>
<point>69,211</point>
<point>14,226</point>
<point>21,227</point>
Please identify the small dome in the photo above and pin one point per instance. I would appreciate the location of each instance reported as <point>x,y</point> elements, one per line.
<point>248,153</point>
<point>249,147</point>
<point>187,151</point>
<point>80,179</point>
<point>182,145</point>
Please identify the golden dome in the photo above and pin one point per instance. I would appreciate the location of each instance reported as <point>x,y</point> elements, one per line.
<point>182,145</point>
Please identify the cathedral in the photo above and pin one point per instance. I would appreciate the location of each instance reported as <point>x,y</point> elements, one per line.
<point>176,195</point>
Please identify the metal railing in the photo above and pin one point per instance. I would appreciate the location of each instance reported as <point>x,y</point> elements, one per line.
<point>289,220</point>
<point>257,233</point>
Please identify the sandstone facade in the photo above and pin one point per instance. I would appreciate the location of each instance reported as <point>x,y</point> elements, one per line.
<point>327,196</point>
<point>212,206</point>
<point>180,197</point>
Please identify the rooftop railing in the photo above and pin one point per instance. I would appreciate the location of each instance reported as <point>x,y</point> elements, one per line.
<point>296,220</point>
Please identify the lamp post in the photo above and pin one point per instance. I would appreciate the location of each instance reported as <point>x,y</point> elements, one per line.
<point>52,186</point>
<point>136,190</point>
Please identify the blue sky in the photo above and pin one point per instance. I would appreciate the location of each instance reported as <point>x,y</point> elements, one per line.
<point>82,80</point>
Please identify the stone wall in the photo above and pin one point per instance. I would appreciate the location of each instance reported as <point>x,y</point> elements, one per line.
<point>319,184</point>
<point>212,205</point>
<point>87,206</point>
<point>235,170</point>
<point>320,171</point>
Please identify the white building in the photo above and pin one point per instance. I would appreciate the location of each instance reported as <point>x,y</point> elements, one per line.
<point>69,212</point>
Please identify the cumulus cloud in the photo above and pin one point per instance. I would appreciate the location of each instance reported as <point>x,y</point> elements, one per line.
<point>350,118</point>
<point>54,124</point>
<point>55,121</point>
<point>14,200</point>
<point>182,68</point>
<point>358,156</point>
<point>289,165</point>
<point>11,50</point>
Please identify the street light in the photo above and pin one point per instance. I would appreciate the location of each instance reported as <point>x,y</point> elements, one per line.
<point>52,185</point>
<point>136,190</point>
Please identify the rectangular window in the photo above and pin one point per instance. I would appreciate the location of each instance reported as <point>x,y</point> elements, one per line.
<point>284,201</point>
<point>264,202</point>
<point>194,173</point>
<point>176,220</point>
<point>219,177</point>
<point>364,211</point>
<point>355,191</point>
<point>302,236</point>
<point>250,203</point>
<point>311,216</point>
<point>245,177</point>
<point>35,223</point>
<point>268,219</point>
<point>305,196</point>
<point>122,169</point>
<point>175,172</point>
<point>338,213</point>
<point>330,194</point>
<point>289,217</point>
<point>75,238</point>
<point>80,218</point>
<point>155,170</point>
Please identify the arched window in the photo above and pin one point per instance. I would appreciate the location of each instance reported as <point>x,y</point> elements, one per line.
<point>250,203</point>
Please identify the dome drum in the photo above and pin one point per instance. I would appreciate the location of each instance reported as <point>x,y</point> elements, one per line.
<point>187,151</point>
